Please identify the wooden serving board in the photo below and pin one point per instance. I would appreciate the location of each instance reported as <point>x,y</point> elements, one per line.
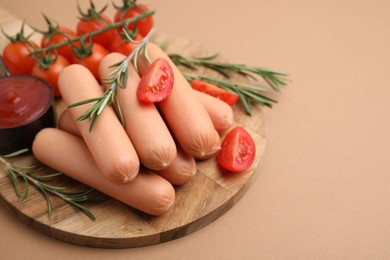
<point>204,199</point>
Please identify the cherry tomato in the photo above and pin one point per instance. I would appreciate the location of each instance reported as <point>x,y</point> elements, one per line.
<point>17,59</point>
<point>52,73</point>
<point>237,150</point>
<point>143,26</point>
<point>215,91</point>
<point>92,61</point>
<point>156,83</point>
<point>61,35</point>
<point>123,46</point>
<point>85,25</point>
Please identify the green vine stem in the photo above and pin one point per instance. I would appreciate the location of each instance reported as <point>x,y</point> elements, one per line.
<point>91,34</point>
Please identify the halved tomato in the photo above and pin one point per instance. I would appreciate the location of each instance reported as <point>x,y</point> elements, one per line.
<point>156,83</point>
<point>215,91</point>
<point>238,150</point>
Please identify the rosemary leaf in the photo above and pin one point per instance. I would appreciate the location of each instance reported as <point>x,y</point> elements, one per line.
<point>84,102</point>
<point>51,187</point>
<point>77,193</point>
<point>25,188</point>
<point>221,71</point>
<point>92,123</point>
<point>253,88</point>
<point>14,182</point>
<point>115,65</point>
<point>210,57</point>
<point>125,78</point>
<point>83,209</point>
<point>262,100</point>
<point>246,103</point>
<point>48,199</point>
<point>16,153</point>
<point>179,60</point>
<point>47,177</point>
<point>119,110</point>
<point>104,102</point>
<point>135,63</point>
<point>145,53</point>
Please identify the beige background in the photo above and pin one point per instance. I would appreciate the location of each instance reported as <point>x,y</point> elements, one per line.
<point>324,189</point>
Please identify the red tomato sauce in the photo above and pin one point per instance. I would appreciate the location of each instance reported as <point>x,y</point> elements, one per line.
<point>22,100</point>
<point>25,108</point>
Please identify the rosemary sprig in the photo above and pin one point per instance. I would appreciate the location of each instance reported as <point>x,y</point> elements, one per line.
<point>276,80</point>
<point>248,93</point>
<point>29,175</point>
<point>116,78</point>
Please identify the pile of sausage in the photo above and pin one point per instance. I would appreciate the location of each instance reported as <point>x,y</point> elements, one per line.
<point>140,163</point>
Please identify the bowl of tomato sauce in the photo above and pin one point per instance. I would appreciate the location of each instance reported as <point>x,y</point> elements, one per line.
<point>26,107</point>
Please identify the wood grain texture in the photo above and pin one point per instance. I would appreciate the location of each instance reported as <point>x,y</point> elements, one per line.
<point>204,199</point>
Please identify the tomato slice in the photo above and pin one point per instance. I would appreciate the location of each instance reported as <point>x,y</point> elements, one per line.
<point>156,83</point>
<point>215,91</point>
<point>237,150</point>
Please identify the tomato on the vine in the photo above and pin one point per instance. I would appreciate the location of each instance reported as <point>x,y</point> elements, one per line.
<point>56,34</point>
<point>92,60</point>
<point>95,20</point>
<point>51,73</point>
<point>238,150</point>
<point>60,35</point>
<point>215,91</point>
<point>132,9</point>
<point>16,56</point>
<point>124,46</point>
<point>156,83</point>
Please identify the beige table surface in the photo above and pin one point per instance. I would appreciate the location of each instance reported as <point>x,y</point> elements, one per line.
<point>324,189</point>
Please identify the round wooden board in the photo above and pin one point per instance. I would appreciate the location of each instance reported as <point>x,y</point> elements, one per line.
<point>205,198</point>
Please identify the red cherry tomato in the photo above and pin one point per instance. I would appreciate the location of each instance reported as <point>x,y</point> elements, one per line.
<point>215,91</point>
<point>237,150</point>
<point>16,57</point>
<point>143,26</point>
<point>123,45</point>
<point>92,61</point>
<point>52,73</point>
<point>90,25</point>
<point>58,37</point>
<point>156,83</point>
